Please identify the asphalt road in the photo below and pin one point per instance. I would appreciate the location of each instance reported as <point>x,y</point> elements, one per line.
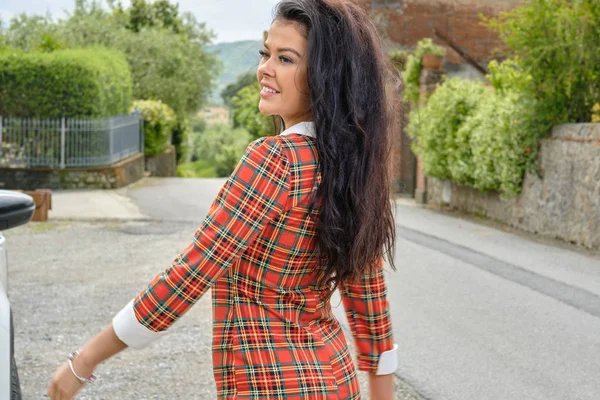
<point>478,313</point>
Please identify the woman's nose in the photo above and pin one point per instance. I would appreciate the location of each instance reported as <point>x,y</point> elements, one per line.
<point>265,69</point>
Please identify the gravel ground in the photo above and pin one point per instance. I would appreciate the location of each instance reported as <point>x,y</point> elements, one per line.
<point>67,280</point>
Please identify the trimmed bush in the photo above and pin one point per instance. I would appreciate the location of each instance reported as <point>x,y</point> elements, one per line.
<point>477,136</point>
<point>159,121</point>
<point>94,82</point>
<point>504,141</point>
<point>443,147</point>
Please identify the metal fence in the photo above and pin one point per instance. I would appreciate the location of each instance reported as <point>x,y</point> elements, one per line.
<point>63,143</point>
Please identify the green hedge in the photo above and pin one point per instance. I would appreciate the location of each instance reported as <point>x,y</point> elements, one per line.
<point>159,122</point>
<point>444,149</point>
<point>93,82</point>
<point>486,138</point>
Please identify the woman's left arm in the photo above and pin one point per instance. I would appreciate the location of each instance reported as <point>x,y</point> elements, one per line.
<point>255,193</point>
<point>368,313</point>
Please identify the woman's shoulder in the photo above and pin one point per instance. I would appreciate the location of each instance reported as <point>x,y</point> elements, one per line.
<point>295,147</point>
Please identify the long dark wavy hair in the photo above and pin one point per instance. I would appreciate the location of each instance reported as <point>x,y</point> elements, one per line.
<point>350,99</point>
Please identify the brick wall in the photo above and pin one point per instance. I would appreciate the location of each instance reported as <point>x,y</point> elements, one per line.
<point>459,20</point>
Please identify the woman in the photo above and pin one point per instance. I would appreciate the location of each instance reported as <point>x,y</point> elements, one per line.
<point>303,213</point>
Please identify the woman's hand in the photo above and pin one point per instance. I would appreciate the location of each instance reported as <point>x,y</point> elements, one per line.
<point>64,385</point>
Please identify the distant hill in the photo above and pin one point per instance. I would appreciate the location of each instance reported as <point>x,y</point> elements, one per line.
<point>237,58</point>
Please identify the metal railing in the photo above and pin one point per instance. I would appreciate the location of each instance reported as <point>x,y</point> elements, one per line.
<point>63,143</point>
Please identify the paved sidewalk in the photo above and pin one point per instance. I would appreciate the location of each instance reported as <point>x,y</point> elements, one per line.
<point>94,205</point>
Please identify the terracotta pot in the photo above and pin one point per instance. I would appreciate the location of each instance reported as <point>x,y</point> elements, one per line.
<point>432,61</point>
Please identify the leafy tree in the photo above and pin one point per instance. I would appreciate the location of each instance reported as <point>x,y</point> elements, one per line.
<point>166,51</point>
<point>28,32</point>
<point>168,60</point>
<point>558,44</point>
<point>232,89</point>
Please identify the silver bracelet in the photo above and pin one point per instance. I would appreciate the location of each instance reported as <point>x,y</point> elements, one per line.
<point>91,379</point>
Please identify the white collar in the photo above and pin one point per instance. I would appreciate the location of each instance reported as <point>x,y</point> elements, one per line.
<point>302,128</point>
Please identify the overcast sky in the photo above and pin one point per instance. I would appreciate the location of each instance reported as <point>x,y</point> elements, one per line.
<point>231,20</point>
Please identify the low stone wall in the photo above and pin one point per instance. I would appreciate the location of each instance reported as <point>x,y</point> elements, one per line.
<point>163,165</point>
<point>563,203</point>
<point>106,177</point>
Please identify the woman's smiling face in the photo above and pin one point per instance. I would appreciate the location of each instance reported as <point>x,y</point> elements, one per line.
<point>282,74</point>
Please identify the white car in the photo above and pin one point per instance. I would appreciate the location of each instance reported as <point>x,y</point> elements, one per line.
<point>15,209</point>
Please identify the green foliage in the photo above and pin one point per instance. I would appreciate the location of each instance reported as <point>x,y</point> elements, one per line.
<point>247,115</point>
<point>414,67</point>
<point>444,148</point>
<point>510,76</point>
<point>167,57</point>
<point>223,147</point>
<point>92,82</point>
<point>159,121</point>
<point>504,140</point>
<point>596,113</point>
<point>160,13</point>
<point>558,44</point>
<point>426,46</point>
<point>27,32</point>
<point>232,89</point>
<point>485,138</point>
<point>197,169</point>
<point>411,77</point>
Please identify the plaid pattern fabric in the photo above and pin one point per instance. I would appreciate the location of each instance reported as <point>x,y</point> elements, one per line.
<point>274,332</point>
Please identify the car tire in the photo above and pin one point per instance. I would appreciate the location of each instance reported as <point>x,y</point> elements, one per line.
<point>15,393</point>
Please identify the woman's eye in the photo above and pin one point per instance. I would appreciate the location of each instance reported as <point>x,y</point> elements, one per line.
<point>285,60</point>
<point>263,53</point>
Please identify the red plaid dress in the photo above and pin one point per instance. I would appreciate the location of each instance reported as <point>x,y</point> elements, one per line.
<point>274,332</point>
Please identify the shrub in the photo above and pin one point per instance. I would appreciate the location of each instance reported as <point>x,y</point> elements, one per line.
<point>159,120</point>
<point>480,137</point>
<point>223,147</point>
<point>558,44</point>
<point>444,148</point>
<point>504,140</point>
<point>93,82</point>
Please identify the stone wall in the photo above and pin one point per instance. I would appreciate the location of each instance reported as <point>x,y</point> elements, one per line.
<point>564,202</point>
<point>163,165</point>
<point>106,177</point>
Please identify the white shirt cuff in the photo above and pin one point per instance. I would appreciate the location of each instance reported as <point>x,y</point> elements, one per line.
<point>130,331</point>
<point>388,362</point>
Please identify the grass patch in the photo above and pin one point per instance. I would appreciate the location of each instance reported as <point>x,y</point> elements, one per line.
<point>197,169</point>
